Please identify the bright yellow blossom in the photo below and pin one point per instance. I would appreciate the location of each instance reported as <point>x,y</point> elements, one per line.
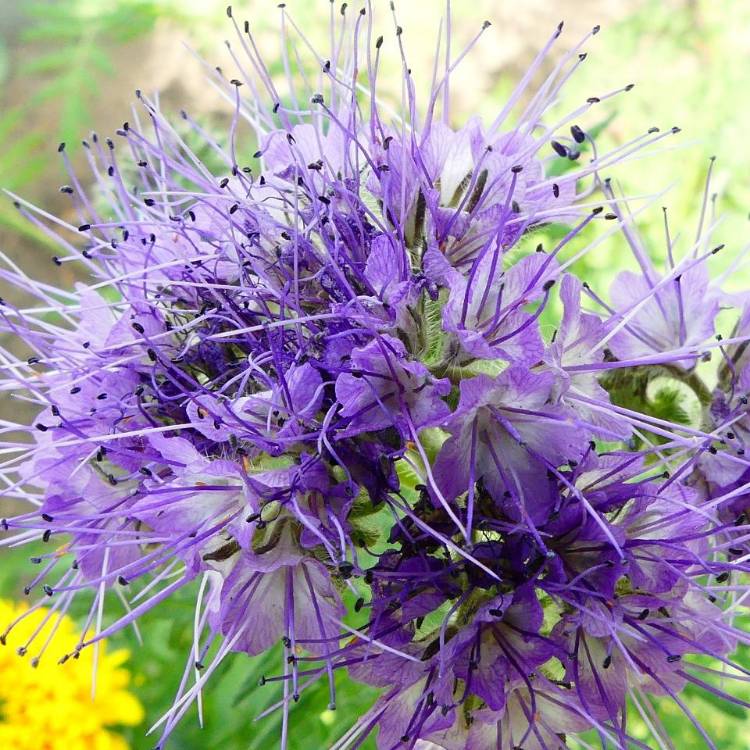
<point>49,706</point>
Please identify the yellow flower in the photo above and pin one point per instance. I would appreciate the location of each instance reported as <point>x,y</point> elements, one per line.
<point>50,706</point>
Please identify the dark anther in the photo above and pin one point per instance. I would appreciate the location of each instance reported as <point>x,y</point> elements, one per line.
<point>516,168</point>
<point>672,658</point>
<point>578,135</point>
<point>379,42</point>
<point>558,148</point>
<point>41,427</point>
<point>555,190</point>
<point>47,517</point>
<point>607,661</point>
<point>84,227</point>
<point>46,536</point>
<point>345,569</point>
<point>149,201</point>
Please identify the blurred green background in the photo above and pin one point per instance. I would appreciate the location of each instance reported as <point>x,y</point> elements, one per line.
<point>70,67</point>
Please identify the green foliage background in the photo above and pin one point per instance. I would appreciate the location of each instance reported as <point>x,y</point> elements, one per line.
<point>691,63</point>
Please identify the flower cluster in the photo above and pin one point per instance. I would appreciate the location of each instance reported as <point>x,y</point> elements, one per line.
<point>337,386</point>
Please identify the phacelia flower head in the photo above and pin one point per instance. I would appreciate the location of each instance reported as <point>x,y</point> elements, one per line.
<point>322,384</point>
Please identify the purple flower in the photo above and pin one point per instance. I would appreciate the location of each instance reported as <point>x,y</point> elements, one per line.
<point>486,309</point>
<point>657,315</point>
<point>508,435</point>
<point>383,388</point>
<point>574,346</point>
